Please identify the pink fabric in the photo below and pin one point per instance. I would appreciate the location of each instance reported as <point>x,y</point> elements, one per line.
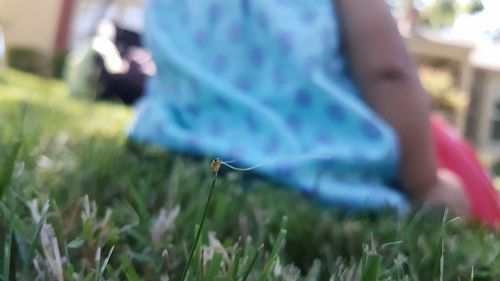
<point>454,154</point>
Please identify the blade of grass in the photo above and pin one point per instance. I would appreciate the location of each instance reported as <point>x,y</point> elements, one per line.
<point>252,263</point>
<point>371,262</point>
<point>7,254</point>
<point>202,265</point>
<point>142,210</point>
<point>98,273</point>
<point>236,264</point>
<point>106,260</point>
<point>278,245</point>
<point>200,228</point>
<point>129,270</point>
<point>214,266</point>
<point>36,236</point>
<point>439,249</point>
<point>8,168</point>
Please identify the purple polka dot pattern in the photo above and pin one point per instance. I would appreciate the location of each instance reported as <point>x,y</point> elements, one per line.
<point>324,138</point>
<point>193,110</point>
<point>311,62</point>
<point>293,122</point>
<point>269,103</point>
<point>367,177</point>
<point>309,192</point>
<point>160,128</point>
<point>214,12</point>
<point>236,152</point>
<point>303,98</point>
<point>335,112</point>
<point>283,2</point>
<point>339,177</point>
<point>251,123</point>
<point>357,156</point>
<point>284,171</point>
<point>285,43</point>
<point>327,34</point>
<point>195,86</point>
<point>185,17</point>
<point>308,17</point>
<point>216,129</point>
<point>271,146</point>
<point>164,26</point>
<point>242,83</point>
<point>278,76</point>
<point>257,56</point>
<point>193,142</point>
<point>220,64</point>
<point>245,7</point>
<point>369,130</point>
<point>262,20</point>
<point>200,38</point>
<point>235,33</point>
<point>222,103</point>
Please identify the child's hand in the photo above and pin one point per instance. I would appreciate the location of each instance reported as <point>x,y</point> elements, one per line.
<point>449,191</point>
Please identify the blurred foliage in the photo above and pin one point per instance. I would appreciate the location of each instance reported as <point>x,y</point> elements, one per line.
<point>25,59</point>
<point>496,168</point>
<point>439,83</point>
<point>439,14</point>
<point>33,61</point>
<point>475,6</point>
<point>442,13</point>
<point>58,64</point>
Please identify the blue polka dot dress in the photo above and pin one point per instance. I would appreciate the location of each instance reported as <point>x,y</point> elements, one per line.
<point>264,83</point>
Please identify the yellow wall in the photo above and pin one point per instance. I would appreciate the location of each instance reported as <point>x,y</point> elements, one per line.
<point>30,23</point>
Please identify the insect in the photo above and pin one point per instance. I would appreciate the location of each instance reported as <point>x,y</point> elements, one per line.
<point>215,165</point>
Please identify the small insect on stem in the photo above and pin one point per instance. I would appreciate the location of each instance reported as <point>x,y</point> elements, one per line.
<point>215,165</point>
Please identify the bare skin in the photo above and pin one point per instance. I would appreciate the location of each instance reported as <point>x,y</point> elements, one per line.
<point>389,82</point>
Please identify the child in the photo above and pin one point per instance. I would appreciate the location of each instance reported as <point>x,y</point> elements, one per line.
<point>331,109</point>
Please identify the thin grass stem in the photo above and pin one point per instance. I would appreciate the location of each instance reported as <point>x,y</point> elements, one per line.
<point>200,228</point>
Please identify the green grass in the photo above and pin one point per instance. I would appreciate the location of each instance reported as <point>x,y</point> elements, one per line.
<point>81,203</point>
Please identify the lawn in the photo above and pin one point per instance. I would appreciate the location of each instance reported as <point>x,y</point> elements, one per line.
<point>80,202</point>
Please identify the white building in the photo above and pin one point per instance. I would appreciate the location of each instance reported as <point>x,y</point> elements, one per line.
<point>476,70</point>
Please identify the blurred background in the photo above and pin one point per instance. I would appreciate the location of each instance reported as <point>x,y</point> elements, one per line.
<point>94,45</point>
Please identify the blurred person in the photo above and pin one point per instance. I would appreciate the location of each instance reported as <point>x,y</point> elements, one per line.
<point>320,96</point>
<point>122,64</point>
<point>112,64</point>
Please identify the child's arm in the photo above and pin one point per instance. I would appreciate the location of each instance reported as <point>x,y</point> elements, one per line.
<point>389,82</point>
